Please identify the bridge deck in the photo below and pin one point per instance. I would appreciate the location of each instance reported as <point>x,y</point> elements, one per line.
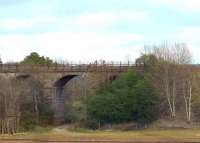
<point>19,68</point>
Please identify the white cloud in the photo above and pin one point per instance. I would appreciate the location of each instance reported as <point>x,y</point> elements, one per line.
<point>88,44</point>
<point>96,19</point>
<point>195,52</point>
<point>15,23</point>
<point>190,36</point>
<point>186,5</point>
<point>70,45</point>
<point>110,16</point>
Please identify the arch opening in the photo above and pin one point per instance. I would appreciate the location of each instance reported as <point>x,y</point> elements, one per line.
<point>64,80</point>
<point>24,76</point>
<point>59,98</point>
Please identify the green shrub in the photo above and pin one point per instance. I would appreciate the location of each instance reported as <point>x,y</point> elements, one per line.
<point>147,101</point>
<point>129,98</point>
<point>92,124</point>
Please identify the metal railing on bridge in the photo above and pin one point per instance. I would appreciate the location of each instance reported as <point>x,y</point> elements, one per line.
<point>23,68</point>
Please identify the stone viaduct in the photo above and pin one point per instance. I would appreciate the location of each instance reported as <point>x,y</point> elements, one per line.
<point>55,77</point>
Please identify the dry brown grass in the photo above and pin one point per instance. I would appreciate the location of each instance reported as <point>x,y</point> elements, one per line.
<point>147,136</point>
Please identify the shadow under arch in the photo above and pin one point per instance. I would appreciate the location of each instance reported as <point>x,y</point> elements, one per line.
<point>29,80</point>
<point>60,83</point>
<point>23,76</point>
<point>58,98</point>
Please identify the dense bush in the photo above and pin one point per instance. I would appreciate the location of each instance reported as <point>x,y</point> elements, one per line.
<point>129,98</point>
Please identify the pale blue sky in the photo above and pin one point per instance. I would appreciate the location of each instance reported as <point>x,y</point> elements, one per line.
<point>86,30</point>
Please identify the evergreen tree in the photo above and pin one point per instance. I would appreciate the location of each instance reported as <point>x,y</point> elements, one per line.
<point>35,58</point>
<point>129,98</point>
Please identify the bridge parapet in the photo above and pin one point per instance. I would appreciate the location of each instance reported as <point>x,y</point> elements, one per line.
<point>21,68</point>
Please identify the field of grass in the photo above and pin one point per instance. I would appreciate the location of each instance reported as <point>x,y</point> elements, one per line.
<point>82,135</point>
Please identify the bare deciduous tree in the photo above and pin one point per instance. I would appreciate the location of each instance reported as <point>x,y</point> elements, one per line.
<point>16,91</point>
<point>189,87</point>
<point>166,72</point>
<point>10,105</point>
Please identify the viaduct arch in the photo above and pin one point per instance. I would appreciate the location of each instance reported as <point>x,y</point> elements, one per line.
<point>54,78</point>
